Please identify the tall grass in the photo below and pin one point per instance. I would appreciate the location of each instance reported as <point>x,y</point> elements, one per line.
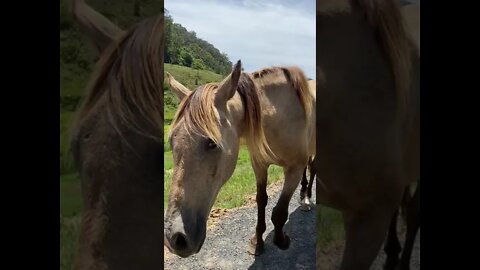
<point>66,160</point>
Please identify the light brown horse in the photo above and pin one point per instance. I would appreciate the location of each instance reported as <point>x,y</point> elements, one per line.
<point>117,144</point>
<point>368,119</point>
<point>273,110</point>
<point>306,189</point>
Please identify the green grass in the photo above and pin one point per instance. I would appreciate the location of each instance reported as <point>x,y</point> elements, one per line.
<point>329,226</point>
<point>187,75</point>
<point>73,85</point>
<point>66,160</point>
<point>70,218</point>
<point>69,233</point>
<point>70,195</point>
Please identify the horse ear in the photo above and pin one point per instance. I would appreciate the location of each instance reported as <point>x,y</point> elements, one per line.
<point>178,89</point>
<point>101,31</point>
<point>228,86</point>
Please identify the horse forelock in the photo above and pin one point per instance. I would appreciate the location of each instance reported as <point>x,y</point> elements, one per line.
<point>127,81</point>
<point>199,114</point>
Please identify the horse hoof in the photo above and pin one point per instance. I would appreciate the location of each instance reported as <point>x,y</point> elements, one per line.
<point>305,207</point>
<point>306,204</point>
<point>255,248</point>
<point>282,244</point>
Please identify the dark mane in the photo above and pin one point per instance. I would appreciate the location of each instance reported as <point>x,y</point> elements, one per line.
<point>127,81</point>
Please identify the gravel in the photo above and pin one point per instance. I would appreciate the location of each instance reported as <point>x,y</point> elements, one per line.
<point>226,244</point>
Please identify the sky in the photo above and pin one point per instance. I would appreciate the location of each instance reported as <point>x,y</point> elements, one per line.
<point>260,33</point>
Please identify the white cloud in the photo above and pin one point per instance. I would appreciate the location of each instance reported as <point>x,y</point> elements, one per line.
<point>260,33</point>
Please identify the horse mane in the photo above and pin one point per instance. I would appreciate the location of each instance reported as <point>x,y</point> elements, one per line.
<point>199,115</point>
<point>385,17</point>
<point>128,80</point>
<point>298,80</point>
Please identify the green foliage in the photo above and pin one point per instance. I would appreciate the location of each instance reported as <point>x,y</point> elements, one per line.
<point>77,55</point>
<point>198,64</point>
<point>184,48</point>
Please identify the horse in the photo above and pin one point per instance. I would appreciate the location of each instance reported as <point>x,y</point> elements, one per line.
<point>411,214</point>
<point>306,189</point>
<point>271,110</point>
<point>410,206</point>
<point>117,146</point>
<point>368,120</point>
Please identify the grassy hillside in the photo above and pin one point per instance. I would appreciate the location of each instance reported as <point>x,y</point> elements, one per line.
<point>189,77</point>
<point>184,48</point>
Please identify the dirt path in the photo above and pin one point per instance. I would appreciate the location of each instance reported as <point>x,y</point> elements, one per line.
<point>228,234</point>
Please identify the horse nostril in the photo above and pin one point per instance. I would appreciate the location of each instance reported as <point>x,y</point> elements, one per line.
<point>179,242</point>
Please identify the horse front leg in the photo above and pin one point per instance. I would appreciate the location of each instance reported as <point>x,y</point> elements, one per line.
<point>313,172</point>
<point>304,184</point>
<point>306,192</point>
<point>365,231</point>
<point>392,246</point>
<point>413,224</point>
<point>256,242</point>
<point>280,211</point>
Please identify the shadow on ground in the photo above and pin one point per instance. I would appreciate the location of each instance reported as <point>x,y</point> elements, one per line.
<point>301,253</point>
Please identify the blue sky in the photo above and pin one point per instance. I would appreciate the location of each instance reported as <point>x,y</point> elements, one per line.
<point>260,33</point>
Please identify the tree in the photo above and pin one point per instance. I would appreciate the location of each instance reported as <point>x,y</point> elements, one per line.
<point>198,64</point>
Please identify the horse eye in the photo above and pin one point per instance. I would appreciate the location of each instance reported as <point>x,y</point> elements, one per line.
<point>211,144</point>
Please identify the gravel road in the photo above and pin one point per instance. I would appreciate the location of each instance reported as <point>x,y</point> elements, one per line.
<point>225,246</point>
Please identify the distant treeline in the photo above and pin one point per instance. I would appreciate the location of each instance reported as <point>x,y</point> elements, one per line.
<point>184,48</point>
